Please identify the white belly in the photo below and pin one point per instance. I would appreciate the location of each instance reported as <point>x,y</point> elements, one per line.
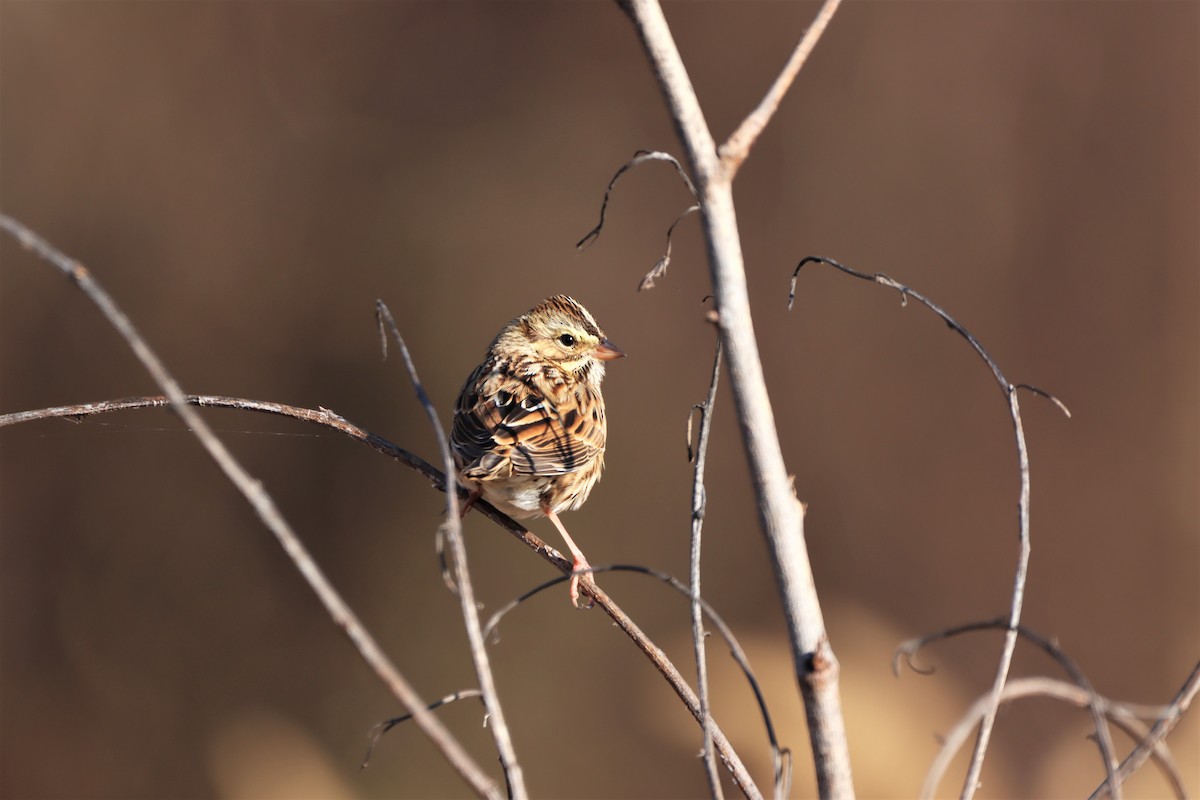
<point>520,499</point>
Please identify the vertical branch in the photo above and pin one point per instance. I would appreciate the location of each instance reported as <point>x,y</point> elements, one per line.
<point>513,774</point>
<point>699,502</point>
<point>266,509</point>
<point>988,721</point>
<point>780,513</point>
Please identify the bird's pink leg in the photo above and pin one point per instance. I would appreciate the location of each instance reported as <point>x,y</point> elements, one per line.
<point>579,564</point>
<point>470,501</point>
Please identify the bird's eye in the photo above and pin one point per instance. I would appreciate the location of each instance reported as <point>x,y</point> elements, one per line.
<point>567,339</point>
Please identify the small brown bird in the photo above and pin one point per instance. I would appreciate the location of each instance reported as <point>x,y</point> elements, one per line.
<point>529,427</point>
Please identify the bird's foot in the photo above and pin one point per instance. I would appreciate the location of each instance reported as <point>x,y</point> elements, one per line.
<point>580,568</point>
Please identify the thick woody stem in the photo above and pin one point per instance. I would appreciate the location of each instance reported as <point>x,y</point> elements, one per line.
<point>780,513</point>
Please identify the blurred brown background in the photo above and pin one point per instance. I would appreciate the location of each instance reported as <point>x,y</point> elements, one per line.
<point>247,178</point>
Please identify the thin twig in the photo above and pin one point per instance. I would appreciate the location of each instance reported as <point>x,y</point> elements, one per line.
<point>735,149</point>
<point>1014,689</point>
<point>660,267</point>
<point>266,509</point>
<point>452,529</point>
<point>909,649</point>
<point>327,418</point>
<point>379,730</point>
<point>780,513</point>
<point>971,781</point>
<point>1166,723</point>
<point>699,503</point>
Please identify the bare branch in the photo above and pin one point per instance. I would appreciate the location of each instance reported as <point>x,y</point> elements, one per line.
<point>1043,393</point>
<point>1022,569</point>
<point>735,149</point>
<point>327,418</point>
<point>1146,748</point>
<point>1103,736</point>
<point>265,507</point>
<point>1015,689</point>
<point>781,514</point>
<point>452,528</point>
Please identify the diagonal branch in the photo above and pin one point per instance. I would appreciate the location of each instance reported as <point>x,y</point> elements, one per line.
<point>266,509</point>
<point>735,149</point>
<point>514,777</point>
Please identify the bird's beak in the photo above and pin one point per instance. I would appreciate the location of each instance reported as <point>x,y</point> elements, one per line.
<point>607,351</point>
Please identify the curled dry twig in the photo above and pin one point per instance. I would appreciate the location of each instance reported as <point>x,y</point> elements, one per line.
<point>660,267</point>
<point>264,506</point>
<point>451,532</point>
<point>641,157</point>
<point>326,418</point>
<point>1018,594</point>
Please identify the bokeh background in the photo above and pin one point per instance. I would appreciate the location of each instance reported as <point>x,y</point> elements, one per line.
<point>247,178</point>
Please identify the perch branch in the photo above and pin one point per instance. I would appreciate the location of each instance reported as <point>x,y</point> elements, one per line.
<point>326,418</point>
<point>266,509</point>
<point>452,527</point>
<point>780,513</point>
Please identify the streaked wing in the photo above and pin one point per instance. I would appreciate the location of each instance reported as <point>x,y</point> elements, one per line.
<point>499,432</point>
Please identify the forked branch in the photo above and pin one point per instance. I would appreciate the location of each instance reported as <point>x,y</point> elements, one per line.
<point>780,513</point>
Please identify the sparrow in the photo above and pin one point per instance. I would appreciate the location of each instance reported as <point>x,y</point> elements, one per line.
<point>529,427</point>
